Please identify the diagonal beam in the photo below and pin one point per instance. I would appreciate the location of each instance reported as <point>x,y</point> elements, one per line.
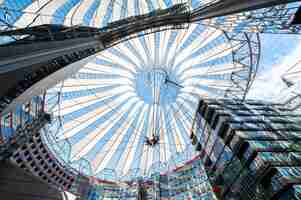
<point>228,7</point>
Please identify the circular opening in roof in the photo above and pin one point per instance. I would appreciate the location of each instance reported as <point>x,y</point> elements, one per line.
<point>154,87</point>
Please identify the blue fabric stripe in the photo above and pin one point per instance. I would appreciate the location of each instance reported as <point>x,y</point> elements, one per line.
<point>91,127</point>
<point>124,144</point>
<point>83,93</point>
<point>62,12</point>
<point>17,6</point>
<point>90,108</point>
<point>107,137</point>
<point>90,12</point>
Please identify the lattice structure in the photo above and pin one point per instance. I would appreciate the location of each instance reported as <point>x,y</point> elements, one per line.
<point>278,19</point>
<point>291,95</point>
<point>247,56</point>
<point>35,157</point>
<point>293,74</point>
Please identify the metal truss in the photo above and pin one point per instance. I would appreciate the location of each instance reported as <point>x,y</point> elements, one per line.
<point>220,8</point>
<point>246,57</point>
<point>280,19</point>
<point>294,103</point>
<point>171,18</point>
<point>291,95</point>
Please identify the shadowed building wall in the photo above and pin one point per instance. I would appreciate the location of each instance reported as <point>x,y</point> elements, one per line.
<point>16,184</point>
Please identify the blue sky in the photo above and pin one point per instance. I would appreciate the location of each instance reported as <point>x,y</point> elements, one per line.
<point>275,47</point>
<point>278,53</point>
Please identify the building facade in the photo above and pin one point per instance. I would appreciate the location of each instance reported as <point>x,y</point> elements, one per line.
<point>251,150</point>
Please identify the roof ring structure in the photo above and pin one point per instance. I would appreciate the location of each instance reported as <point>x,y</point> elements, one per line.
<point>147,87</point>
<point>143,87</point>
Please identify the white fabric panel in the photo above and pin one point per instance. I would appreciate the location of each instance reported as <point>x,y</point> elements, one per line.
<point>69,20</point>
<point>138,62</point>
<point>36,11</point>
<point>128,156</point>
<point>106,107</point>
<point>85,145</point>
<point>83,122</point>
<point>143,7</point>
<point>137,44</point>
<point>102,159</point>
<point>150,44</point>
<point>117,10</point>
<point>217,52</point>
<point>165,143</point>
<point>78,16</point>
<point>118,60</point>
<point>101,12</point>
<point>165,35</point>
<point>205,38</point>
<point>131,8</point>
<point>211,70</point>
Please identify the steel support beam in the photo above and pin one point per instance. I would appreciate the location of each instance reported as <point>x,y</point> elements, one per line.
<point>48,82</point>
<point>39,52</point>
<point>228,7</point>
<point>19,61</point>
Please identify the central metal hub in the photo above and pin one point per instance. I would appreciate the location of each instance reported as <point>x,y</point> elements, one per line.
<point>156,79</point>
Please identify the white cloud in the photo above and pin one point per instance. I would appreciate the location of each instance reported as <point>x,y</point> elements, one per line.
<point>268,85</point>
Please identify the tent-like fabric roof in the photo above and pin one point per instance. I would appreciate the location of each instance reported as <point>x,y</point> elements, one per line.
<point>143,87</point>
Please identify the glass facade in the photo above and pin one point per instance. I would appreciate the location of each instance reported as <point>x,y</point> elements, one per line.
<point>23,114</point>
<point>251,155</point>
<point>188,181</point>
